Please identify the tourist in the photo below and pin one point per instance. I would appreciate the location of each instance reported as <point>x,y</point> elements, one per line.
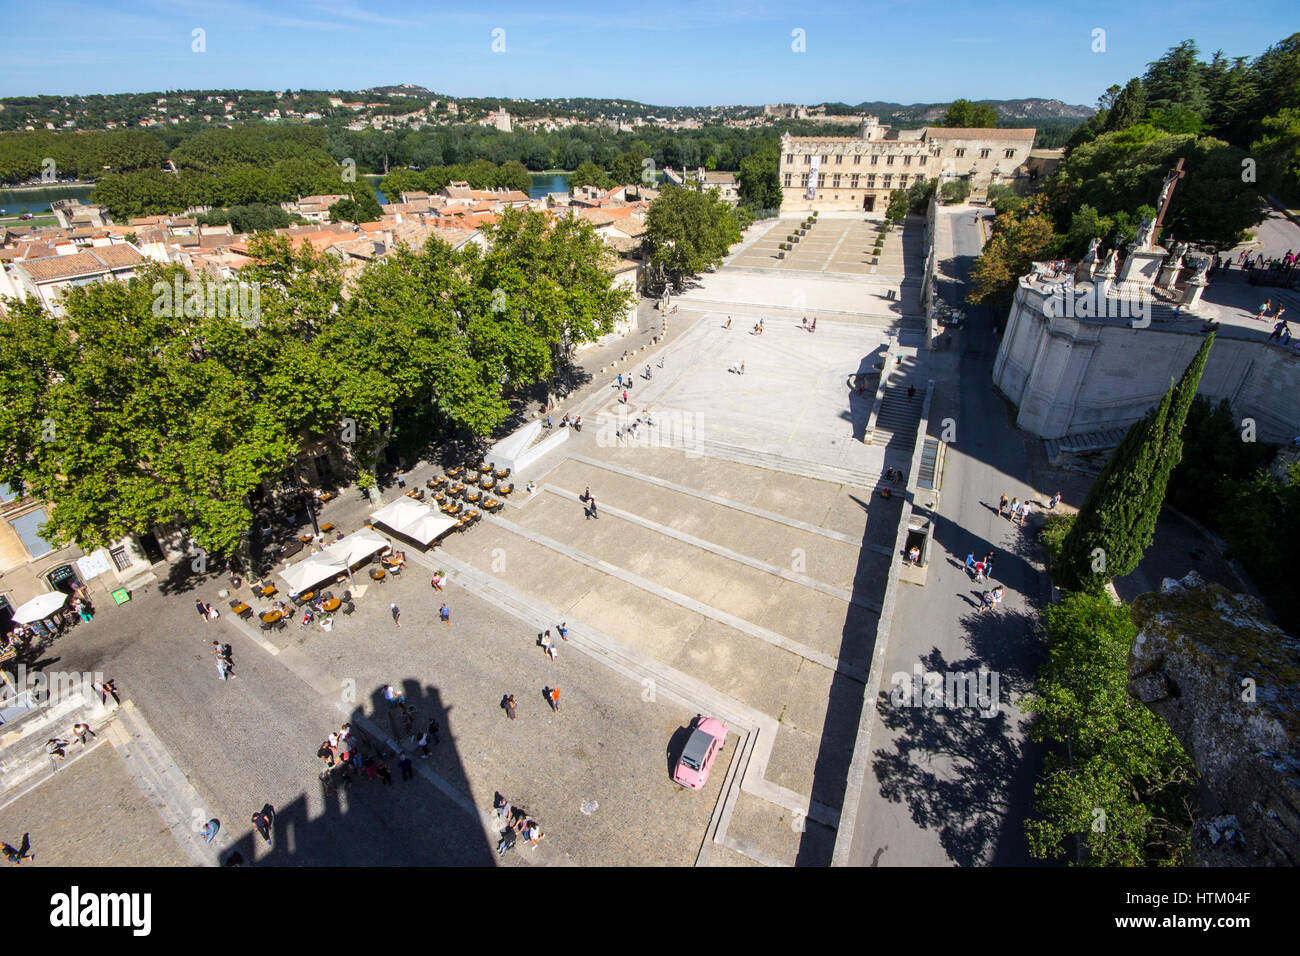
<point>210,830</point>
<point>563,630</point>
<point>422,741</point>
<point>979,571</point>
<point>553,698</point>
<point>986,601</point>
<point>397,614</point>
<point>1015,507</point>
<point>436,580</point>
<point>262,823</point>
<point>813,327</point>
<point>55,748</point>
<point>1002,504</point>
<point>913,555</point>
<point>533,832</point>
<point>202,609</point>
<point>1277,331</point>
<point>444,613</point>
<point>81,730</point>
<point>385,775</point>
<point>728,326</point>
<point>1053,501</point>
<point>406,767</point>
<point>545,641</point>
<point>392,696</point>
<point>23,852</point>
<point>510,706</point>
<point>970,560</point>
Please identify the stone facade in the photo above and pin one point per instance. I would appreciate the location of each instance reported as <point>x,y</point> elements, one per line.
<point>1073,375</point>
<point>857,173</point>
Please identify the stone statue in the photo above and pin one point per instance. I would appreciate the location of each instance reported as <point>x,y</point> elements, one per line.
<point>1177,251</point>
<point>1146,229</point>
<point>1091,255</point>
<point>1108,267</point>
<point>1202,266</point>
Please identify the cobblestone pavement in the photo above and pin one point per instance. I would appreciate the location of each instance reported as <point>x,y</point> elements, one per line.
<point>91,813</point>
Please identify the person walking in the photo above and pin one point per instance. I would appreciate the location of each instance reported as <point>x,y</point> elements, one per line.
<point>728,323</point>
<point>988,564</point>
<point>444,614</point>
<point>55,749</point>
<point>545,641</point>
<point>563,630</point>
<point>385,775</point>
<point>406,767</point>
<point>16,855</point>
<point>1015,504</point>
<point>1053,501</point>
<point>201,608</point>
<point>553,698</point>
<point>223,668</point>
<point>970,560</point>
<point>80,731</point>
<point>986,601</point>
<point>511,705</point>
<point>262,822</point>
<point>422,741</point>
<point>980,568</point>
<point>591,502</point>
<point>397,614</point>
<point>624,396</point>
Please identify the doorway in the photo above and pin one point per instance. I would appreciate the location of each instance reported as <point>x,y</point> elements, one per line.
<point>869,204</point>
<point>153,551</point>
<point>64,578</point>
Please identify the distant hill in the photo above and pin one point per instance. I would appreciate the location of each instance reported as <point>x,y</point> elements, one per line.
<point>1011,112</point>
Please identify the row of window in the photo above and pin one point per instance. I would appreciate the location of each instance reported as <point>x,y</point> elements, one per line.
<point>887,180</point>
<point>960,153</point>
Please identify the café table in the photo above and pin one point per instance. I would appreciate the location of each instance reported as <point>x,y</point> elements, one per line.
<point>268,591</point>
<point>377,574</point>
<point>331,605</point>
<point>270,617</point>
<point>327,526</point>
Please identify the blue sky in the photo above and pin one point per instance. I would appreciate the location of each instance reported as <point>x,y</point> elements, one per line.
<point>671,52</point>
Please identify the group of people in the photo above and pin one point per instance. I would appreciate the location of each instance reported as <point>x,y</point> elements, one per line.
<point>347,755</point>
<point>225,660</point>
<point>810,326</point>
<point>56,748</point>
<point>516,822</point>
<point>1018,510</point>
<point>566,421</point>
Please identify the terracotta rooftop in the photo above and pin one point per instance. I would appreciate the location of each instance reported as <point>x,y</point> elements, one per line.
<point>962,132</point>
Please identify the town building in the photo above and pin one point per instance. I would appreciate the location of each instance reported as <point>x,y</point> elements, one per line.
<point>857,173</point>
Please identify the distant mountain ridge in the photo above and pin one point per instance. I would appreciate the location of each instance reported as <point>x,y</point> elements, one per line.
<point>1021,110</point>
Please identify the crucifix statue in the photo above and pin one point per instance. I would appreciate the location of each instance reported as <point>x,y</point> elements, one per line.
<point>1167,192</point>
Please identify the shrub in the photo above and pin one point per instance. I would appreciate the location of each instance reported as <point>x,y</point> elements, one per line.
<point>1055,528</point>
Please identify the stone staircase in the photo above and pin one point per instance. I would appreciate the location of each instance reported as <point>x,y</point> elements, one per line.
<point>895,425</point>
<point>1089,441</point>
<point>23,760</point>
<point>833,474</point>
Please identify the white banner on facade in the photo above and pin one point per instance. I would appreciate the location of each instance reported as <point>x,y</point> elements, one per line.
<point>812,177</point>
<point>93,565</point>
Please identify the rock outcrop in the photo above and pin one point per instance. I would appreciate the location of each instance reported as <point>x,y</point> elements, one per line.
<point>1227,682</point>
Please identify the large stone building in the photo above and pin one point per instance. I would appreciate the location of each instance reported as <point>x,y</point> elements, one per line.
<point>857,173</point>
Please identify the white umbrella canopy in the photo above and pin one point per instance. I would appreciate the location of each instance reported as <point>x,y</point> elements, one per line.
<point>40,607</point>
<point>313,570</point>
<point>337,559</point>
<point>412,519</point>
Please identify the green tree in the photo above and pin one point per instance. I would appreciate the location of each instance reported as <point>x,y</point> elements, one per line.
<point>758,182</point>
<point>1117,781</point>
<point>918,195</point>
<point>589,174</point>
<point>1118,518</point>
<point>955,190</point>
<point>1129,107</point>
<point>1177,79</point>
<point>688,232</point>
<point>899,202</point>
<point>1021,237</point>
<point>964,113</point>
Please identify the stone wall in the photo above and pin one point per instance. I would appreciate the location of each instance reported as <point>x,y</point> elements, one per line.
<point>1069,376</point>
<point>1227,682</point>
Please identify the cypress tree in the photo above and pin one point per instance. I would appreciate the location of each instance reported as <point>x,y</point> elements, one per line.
<point>1119,515</point>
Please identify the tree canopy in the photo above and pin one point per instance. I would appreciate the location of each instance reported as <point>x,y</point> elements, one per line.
<point>136,408</point>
